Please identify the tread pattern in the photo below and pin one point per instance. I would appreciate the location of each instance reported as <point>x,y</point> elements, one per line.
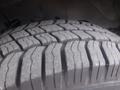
<point>68,26</point>
<point>26,70</point>
<point>96,61</point>
<point>85,62</point>
<point>46,22</point>
<point>112,37</point>
<point>9,47</point>
<point>83,27</point>
<point>19,28</point>
<point>50,28</point>
<point>32,25</point>
<point>61,21</point>
<point>46,38</point>
<point>112,59</point>
<point>70,64</point>
<point>98,35</point>
<point>35,30</point>
<point>5,39</point>
<point>64,35</point>
<point>11,72</point>
<point>82,35</point>
<point>3,70</point>
<point>58,55</point>
<point>20,34</point>
<point>28,42</point>
<point>36,75</point>
<point>73,21</point>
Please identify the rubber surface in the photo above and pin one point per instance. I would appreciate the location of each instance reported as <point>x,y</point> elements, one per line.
<point>58,55</point>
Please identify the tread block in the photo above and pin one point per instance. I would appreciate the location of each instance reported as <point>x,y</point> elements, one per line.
<point>36,68</point>
<point>102,63</point>
<point>57,66</point>
<point>98,35</point>
<point>35,30</point>
<point>65,35</point>
<point>98,28</point>
<point>78,62</point>
<point>98,62</point>
<point>59,35</point>
<point>113,37</point>
<point>9,47</point>
<point>49,28</point>
<point>112,34</point>
<point>46,22</point>
<point>68,26</point>
<point>28,42</point>
<point>5,39</point>
<point>85,62</point>
<point>3,70</point>
<point>94,60</point>
<point>85,23</point>
<point>11,74</point>
<point>46,38</point>
<point>20,34</point>
<point>73,21</point>
<point>70,64</point>
<point>112,46</point>
<point>49,67</point>
<point>110,62</point>
<point>115,54</point>
<point>19,28</point>
<point>117,49</point>
<point>82,27</point>
<point>26,70</point>
<point>32,25</point>
<point>82,34</point>
<point>61,21</point>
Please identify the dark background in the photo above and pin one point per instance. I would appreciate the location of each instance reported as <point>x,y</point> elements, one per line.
<point>102,12</point>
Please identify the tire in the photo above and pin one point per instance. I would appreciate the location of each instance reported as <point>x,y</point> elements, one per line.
<point>58,55</point>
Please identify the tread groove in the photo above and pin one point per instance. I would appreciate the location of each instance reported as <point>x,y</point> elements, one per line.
<point>90,35</point>
<point>53,65</point>
<point>106,59</point>
<point>81,64</point>
<point>38,40</point>
<point>64,63</point>
<point>90,59</point>
<point>55,37</point>
<point>27,32</point>
<point>16,42</point>
<point>19,70</point>
<point>74,62</point>
<point>43,66</point>
<point>99,64</point>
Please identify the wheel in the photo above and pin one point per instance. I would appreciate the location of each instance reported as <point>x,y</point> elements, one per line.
<point>58,55</point>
